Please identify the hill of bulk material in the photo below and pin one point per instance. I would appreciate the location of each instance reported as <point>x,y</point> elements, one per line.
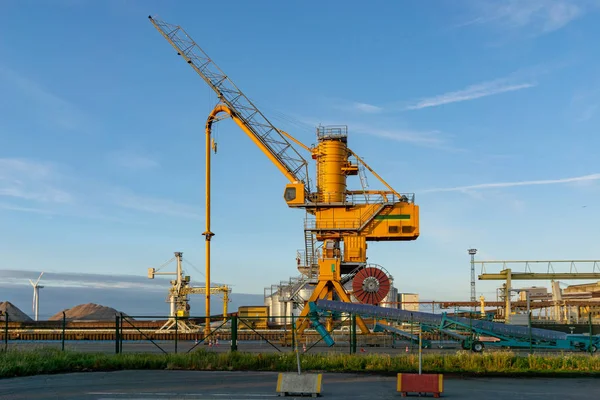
<point>14,314</point>
<point>87,312</point>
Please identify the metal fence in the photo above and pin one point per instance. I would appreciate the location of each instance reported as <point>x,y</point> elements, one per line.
<point>161,334</point>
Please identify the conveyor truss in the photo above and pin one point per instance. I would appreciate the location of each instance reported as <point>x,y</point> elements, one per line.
<point>472,334</point>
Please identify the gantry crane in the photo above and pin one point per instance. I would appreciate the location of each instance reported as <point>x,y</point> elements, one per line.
<point>343,220</point>
<point>178,297</point>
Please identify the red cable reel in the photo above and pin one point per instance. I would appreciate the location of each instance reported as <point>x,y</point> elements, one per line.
<point>370,285</point>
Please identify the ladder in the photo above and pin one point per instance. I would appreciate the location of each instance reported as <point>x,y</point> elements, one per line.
<point>309,253</point>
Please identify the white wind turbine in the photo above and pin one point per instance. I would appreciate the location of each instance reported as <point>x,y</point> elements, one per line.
<point>36,295</point>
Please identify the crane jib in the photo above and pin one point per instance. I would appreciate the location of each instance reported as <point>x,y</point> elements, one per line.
<point>262,129</point>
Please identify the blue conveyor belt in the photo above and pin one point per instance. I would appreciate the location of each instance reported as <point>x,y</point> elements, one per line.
<point>436,319</point>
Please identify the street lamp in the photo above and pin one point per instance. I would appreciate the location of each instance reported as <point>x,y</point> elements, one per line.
<point>472,252</point>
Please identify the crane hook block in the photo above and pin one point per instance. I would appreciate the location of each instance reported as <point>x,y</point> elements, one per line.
<point>294,194</point>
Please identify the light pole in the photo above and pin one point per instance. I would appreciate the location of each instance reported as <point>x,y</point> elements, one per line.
<point>472,252</point>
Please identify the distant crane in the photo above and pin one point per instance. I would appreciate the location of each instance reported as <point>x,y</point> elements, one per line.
<point>178,296</point>
<point>36,295</point>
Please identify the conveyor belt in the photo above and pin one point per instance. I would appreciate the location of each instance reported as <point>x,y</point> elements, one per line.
<point>385,327</point>
<point>436,319</point>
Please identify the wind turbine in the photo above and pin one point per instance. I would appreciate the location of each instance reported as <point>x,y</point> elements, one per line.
<point>36,295</point>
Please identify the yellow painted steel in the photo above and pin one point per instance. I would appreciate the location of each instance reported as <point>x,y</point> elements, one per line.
<point>540,276</point>
<point>222,289</point>
<point>355,249</point>
<point>222,108</point>
<point>255,316</point>
<point>376,222</point>
<point>332,158</point>
<point>207,233</point>
<point>344,220</point>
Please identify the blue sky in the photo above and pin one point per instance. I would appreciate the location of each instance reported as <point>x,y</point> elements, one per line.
<point>487,110</point>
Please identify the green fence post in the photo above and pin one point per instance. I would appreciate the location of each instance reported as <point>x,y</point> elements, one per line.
<point>353,334</point>
<point>293,333</point>
<point>121,334</point>
<point>5,331</point>
<point>530,338</point>
<point>591,329</point>
<point>116,333</point>
<point>234,328</point>
<point>412,333</point>
<point>64,324</point>
<point>176,332</point>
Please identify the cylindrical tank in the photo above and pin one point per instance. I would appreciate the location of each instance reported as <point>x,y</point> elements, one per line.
<point>306,291</point>
<point>269,304</point>
<point>332,156</point>
<point>275,308</point>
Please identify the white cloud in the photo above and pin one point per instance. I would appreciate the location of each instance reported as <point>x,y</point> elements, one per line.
<point>424,138</point>
<point>356,107</point>
<point>11,207</point>
<point>472,92</point>
<point>126,199</point>
<point>367,108</point>
<point>52,108</point>
<point>132,160</point>
<point>539,16</point>
<point>466,189</point>
<point>431,138</point>
<point>39,187</point>
<point>31,180</point>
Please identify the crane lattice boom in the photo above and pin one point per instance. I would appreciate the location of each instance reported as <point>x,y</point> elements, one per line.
<point>228,93</point>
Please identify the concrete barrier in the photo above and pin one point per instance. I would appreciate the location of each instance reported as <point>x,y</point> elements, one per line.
<point>292,383</point>
<point>420,383</point>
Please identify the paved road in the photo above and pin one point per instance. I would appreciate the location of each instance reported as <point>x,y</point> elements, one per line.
<point>191,385</point>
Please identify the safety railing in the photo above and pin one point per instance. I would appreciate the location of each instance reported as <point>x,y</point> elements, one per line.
<point>379,197</point>
<point>333,224</point>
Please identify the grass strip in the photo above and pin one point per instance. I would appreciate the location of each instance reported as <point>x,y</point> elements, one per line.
<point>15,363</point>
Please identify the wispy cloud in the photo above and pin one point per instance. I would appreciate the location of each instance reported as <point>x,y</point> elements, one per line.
<point>539,16</point>
<point>585,103</point>
<point>31,180</point>
<point>356,107</point>
<point>41,188</point>
<point>466,189</point>
<point>432,138</point>
<point>12,207</point>
<point>53,109</point>
<point>126,199</point>
<point>367,108</point>
<point>132,160</point>
<point>472,92</point>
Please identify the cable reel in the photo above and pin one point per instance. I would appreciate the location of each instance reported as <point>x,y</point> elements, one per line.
<point>370,285</point>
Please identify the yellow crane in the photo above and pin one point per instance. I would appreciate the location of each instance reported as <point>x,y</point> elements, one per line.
<point>342,220</point>
<point>178,296</point>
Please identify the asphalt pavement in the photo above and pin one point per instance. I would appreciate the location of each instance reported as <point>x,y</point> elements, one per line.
<point>205,385</point>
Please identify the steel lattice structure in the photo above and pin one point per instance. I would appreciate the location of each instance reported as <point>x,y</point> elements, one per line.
<point>233,97</point>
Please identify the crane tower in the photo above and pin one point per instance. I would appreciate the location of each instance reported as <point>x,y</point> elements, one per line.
<point>342,220</point>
